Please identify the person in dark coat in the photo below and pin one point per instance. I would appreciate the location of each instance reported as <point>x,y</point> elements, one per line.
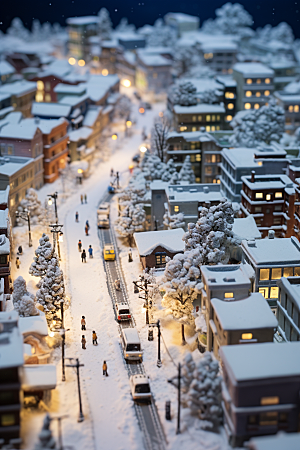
<point>104,367</point>
<point>83,323</point>
<point>20,250</point>
<point>94,335</point>
<point>83,256</point>
<point>18,262</point>
<point>76,217</point>
<point>79,245</point>
<point>83,342</point>
<point>86,229</point>
<point>111,172</point>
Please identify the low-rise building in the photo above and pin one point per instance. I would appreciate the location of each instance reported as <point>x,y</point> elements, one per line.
<point>219,54</point>
<point>272,259</point>
<point>22,94</point>
<point>270,199</point>
<point>6,72</point>
<point>288,308</point>
<point>193,118</point>
<point>5,251</point>
<point>285,72</point>
<point>290,102</point>
<point>153,73</point>
<point>260,391</point>
<point>254,84</point>
<point>181,22</point>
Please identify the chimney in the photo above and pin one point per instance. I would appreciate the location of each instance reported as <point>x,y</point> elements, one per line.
<point>252,176</point>
<point>271,234</point>
<point>37,120</point>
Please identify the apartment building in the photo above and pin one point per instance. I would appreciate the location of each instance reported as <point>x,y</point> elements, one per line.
<point>22,94</point>
<point>80,29</point>
<point>288,308</point>
<point>193,118</point>
<point>182,23</point>
<point>290,102</point>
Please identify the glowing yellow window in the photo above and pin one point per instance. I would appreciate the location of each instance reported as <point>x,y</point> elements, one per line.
<point>228,118</point>
<point>194,128</point>
<point>269,401</point>
<point>267,81</point>
<point>213,128</point>
<point>267,93</point>
<point>48,98</point>
<point>230,106</point>
<point>264,292</point>
<point>248,93</point>
<point>105,72</point>
<point>259,195</point>
<point>291,108</point>
<point>208,118</point>
<point>268,197</point>
<point>213,158</point>
<point>199,118</point>
<point>247,336</point>
<point>258,81</point>
<point>218,118</point>
<point>176,208</point>
<point>278,194</point>
<point>276,273</point>
<point>39,97</point>
<point>228,295</point>
<point>274,292</point>
<point>249,81</point>
<point>183,128</point>
<point>260,163</point>
<point>40,85</point>
<point>264,274</point>
<point>194,119</point>
<point>296,108</point>
<point>229,95</point>
<point>297,271</point>
<point>213,118</point>
<point>288,272</point>
<point>207,128</point>
<point>256,106</point>
<point>198,157</point>
<point>247,105</point>
<point>8,420</point>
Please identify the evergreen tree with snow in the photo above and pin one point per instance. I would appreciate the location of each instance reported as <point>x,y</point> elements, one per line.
<point>36,30</point>
<point>186,57</point>
<point>159,136</point>
<point>124,26</point>
<point>24,302</point>
<point>43,256</point>
<point>173,221</point>
<point>186,172</point>
<point>169,171</point>
<point>123,107</point>
<point>282,32</point>
<point>105,25</point>
<point>32,204</point>
<point>174,178</point>
<point>259,127</point>
<point>212,234</point>
<point>181,284</point>
<point>162,35</point>
<point>52,289</point>
<point>210,97</point>
<point>183,94</point>
<point>202,390</point>
<point>231,19</point>
<point>131,220</point>
<point>18,30</point>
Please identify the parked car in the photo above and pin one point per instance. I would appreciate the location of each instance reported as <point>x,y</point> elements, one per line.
<point>109,252</point>
<point>104,208</point>
<point>131,344</point>
<point>123,312</point>
<point>102,221</point>
<point>111,189</point>
<point>140,387</point>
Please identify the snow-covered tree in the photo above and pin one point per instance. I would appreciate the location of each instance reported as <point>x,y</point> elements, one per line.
<point>185,58</point>
<point>105,25</point>
<point>212,234</point>
<point>23,301</point>
<point>46,31</point>
<point>32,204</point>
<point>131,220</point>
<point>162,35</point>
<point>174,178</point>
<point>169,171</point>
<point>231,19</point>
<point>124,26</point>
<point>43,256</point>
<point>18,30</point>
<point>210,96</point>
<point>123,107</point>
<point>46,439</point>
<point>173,221</point>
<point>282,32</point>
<point>183,93</point>
<point>182,285</point>
<point>36,30</point>
<point>260,126</point>
<point>159,136</point>
<point>52,289</point>
<point>202,390</point>
<point>186,172</point>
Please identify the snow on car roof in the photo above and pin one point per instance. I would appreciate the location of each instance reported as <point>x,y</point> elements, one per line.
<point>171,240</point>
<point>273,251</point>
<point>261,361</point>
<point>131,334</point>
<point>250,313</point>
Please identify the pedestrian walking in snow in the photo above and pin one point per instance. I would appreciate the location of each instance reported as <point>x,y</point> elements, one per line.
<point>81,199</point>
<point>83,342</point>
<point>129,255</point>
<point>83,323</point>
<point>76,217</point>
<point>18,262</point>
<point>87,224</point>
<point>79,245</point>
<point>90,250</point>
<point>95,338</point>
<point>104,367</point>
<point>85,198</point>
<point>86,229</point>
<point>118,178</point>
<point>83,256</point>
<point>20,250</point>
<point>111,172</point>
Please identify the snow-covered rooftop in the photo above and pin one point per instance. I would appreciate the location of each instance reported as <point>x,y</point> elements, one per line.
<point>171,240</point>
<point>73,100</point>
<point>244,157</point>
<point>288,97</point>
<point>91,116</point>
<point>77,89</point>
<point>194,193</point>
<point>191,136</point>
<point>11,344</point>
<point>38,377</point>
<point>18,88</point>
<point>45,125</point>
<point>84,20</point>
<point>227,80</point>
<point>12,167</point>
<point>34,324</point>
<point>80,133</point>
<point>4,241</point>
<point>182,17</point>
<point>289,441</point>
<point>292,285</point>
<point>201,108</point>
<point>153,60</point>
<point>203,84</point>
<point>246,228</point>
<point>276,252</point>
<point>253,69</point>
<point>50,109</point>
<point>268,181</point>
<point>219,44</point>
<point>6,68</point>
<point>261,361</point>
<point>250,313</point>
<point>22,130</point>
<point>225,275</point>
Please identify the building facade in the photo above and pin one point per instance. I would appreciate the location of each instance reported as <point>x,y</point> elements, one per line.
<point>288,308</point>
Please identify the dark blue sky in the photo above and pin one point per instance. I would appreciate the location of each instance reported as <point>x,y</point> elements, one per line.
<point>145,11</point>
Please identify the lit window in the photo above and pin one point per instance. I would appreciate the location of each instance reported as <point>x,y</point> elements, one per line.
<point>258,81</point>
<point>249,81</point>
<point>218,181</point>
<point>267,93</point>
<point>267,81</point>
<point>278,194</point>
<point>274,292</point>
<point>176,208</point>
<point>48,98</point>
<point>214,180</point>
<point>104,72</point>
<point>12,202</point>
<point>207,128</point>
<point>213,128</point>
<point>40,85</point>
<point>247,336</point>
<point>256,106</point>
<point>7,420</point>
<point>198,157</point>
<point>269,401</point>
<point>230,70</point>
<point>297,271</point>
<point>291,108</point>
<point>258,94</point>
<point>229,95</point>
<point>198,180</point>
<point>213,118</point>
<point>213,158</point>
<point>276,273</point>
<point>194,119</point>
<point>247,106</point>
<point>264,274</point>
<point>268,197</point>
<point>228,295</point>
<point>208,118</point>
<point>81,62</point>
<point>259,195</point>
<point>288,272</point>
<point>183,128</point>
<point>264,292</point>
<point>208,55</point>
<point>218,127</point>
<point>218,118</point>
<point>199,118</point>
<point>39,97</point>
<point>296,108</point>
<point>259,163</point>
<point>229,118</point>
<point>230,106</point>
<point>248,93</point>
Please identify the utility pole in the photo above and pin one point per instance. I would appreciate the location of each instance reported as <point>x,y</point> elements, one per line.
<point>25,215</point>
<point>62,332</point>
<point>178,386</point>
<point>157,324</point>
<point>145,289</point>
<point>54,197</point>
<point>59,419</point>
<point>77,366</point>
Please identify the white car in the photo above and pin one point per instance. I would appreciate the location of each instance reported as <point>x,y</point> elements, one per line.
<point>123,312</point>
<point>104,208</point>
<point>140,387</point>
<point>103,221</point>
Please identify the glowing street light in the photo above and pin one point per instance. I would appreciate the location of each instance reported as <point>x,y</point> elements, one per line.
<point>105,72</point>
<point>81,62</point>
<point>79,171</point>
<point>114,137</point>
<point>126,83</point>
<point>72,61</point>
<point>128,123</point>
<point>141,110</point>
<point>143,149</point>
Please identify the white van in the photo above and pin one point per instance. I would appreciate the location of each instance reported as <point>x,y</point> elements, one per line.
<point>131,344</point>
<point>140,387</point>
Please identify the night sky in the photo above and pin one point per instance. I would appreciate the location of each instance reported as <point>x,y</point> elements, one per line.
<point>146,11</point>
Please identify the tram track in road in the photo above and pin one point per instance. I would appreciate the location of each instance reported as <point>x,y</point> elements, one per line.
<point>147,414</point>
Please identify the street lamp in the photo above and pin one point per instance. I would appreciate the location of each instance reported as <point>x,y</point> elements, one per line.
<point>143,149</point>
<point>114,137</point>
<point>62,332</point>
<point>25,215</point>
<point>54,197</point>
<point>56,230</point>
<point>77,365</point>
<point>157,324</point>
<point>178,386</point>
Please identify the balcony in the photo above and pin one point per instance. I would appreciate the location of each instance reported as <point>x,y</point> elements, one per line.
<point>58,141</point>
